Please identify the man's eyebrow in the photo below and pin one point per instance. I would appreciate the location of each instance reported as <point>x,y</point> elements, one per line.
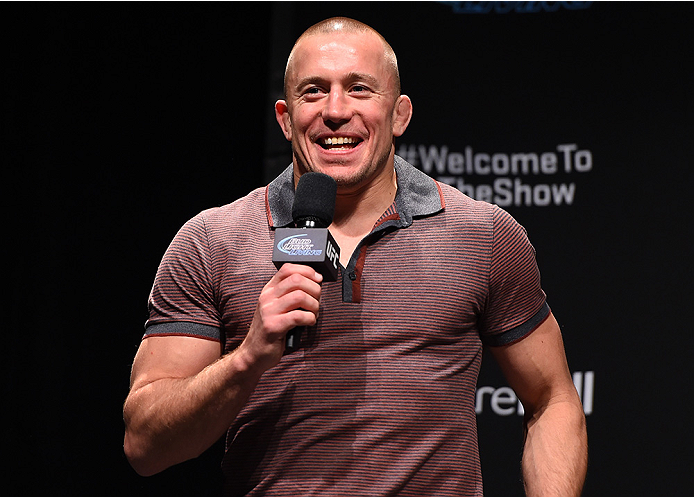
<point>309,80</point>
<point>365,77</point>
<point>349,78</point>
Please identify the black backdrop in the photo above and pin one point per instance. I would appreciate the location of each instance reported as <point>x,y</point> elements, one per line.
<point>121,121</point>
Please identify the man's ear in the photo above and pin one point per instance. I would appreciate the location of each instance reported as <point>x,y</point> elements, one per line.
<point>283,118</point>
<point>402,113</point>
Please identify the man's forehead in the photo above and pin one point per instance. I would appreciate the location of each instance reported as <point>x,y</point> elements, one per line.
<point>366,47</point>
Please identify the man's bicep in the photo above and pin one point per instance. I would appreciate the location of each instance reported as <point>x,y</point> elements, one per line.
<point>171,357</point>
<point>536,366</point>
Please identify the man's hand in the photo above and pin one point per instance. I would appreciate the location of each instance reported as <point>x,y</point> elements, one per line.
<point>290,299</point>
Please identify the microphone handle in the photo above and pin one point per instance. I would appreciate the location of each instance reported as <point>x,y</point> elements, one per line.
<point>293,338</point>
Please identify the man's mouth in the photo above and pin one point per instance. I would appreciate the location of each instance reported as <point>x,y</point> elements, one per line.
<point>339,142</point>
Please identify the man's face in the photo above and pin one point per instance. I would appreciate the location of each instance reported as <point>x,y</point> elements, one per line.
<point>342,111</point>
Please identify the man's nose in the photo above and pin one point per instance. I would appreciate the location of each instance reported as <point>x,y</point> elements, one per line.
<point>337,107</point>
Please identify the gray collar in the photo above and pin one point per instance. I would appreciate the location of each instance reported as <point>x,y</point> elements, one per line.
<point>418,195</point>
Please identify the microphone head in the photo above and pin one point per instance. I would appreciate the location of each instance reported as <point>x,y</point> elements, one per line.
<point>314,201</point>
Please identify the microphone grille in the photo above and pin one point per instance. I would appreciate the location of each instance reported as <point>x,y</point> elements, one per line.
<point>314,198</point>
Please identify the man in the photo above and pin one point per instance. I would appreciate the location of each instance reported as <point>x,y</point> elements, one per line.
<point>380,398</point>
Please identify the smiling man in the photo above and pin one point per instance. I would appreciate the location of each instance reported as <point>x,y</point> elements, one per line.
<point>379,400</point>
<point>343,110</point>
<point>343,105</point>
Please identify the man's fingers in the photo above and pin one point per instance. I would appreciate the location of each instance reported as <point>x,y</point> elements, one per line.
<point>290,299</point>
<point>289,269</point>
<point>296,308</point>
<point>292,278</point>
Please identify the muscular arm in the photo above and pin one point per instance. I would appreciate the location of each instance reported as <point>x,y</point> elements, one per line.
<point>555,452</point>
<point>183,395</point>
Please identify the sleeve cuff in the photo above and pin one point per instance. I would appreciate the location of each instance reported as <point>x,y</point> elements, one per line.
<point>519,332</point>
<point>182,328</point>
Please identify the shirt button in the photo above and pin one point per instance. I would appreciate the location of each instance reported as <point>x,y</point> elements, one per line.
<point>352,275</point>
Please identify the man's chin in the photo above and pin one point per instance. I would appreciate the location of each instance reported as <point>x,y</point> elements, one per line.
<point>340,171</point>
<point>349,175</point>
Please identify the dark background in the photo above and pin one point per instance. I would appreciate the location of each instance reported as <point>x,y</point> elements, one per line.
<point>120,121</point>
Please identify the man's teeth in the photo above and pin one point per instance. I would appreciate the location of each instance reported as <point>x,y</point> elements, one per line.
<point>339,141</point>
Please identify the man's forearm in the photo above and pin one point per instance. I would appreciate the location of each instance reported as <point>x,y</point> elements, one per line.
<point>184,397</point>
<point>555,456</point>
<point>172,420</point>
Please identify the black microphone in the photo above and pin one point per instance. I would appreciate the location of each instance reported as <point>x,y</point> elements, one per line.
<point>309,242</point>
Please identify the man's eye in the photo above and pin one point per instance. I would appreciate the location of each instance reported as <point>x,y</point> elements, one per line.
<point>359,88</point>
<point>313,91</point>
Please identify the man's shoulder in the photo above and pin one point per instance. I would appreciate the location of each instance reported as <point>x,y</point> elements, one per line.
<point>246,209</point>
<point>459,204</point>
<point>468,213</point>
<point>247,214</point>
<point>455,197</point>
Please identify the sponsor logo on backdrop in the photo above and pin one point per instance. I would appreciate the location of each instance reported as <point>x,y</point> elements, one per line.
<point>517,179</point>
<point>503,401</point>
<point>518,7</point>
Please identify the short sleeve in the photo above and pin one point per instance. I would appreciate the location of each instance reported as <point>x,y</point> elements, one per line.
<point>516,303</point>
<point>182,300</point>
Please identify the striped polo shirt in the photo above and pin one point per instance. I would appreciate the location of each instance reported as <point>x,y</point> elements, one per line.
<point>379,399</point>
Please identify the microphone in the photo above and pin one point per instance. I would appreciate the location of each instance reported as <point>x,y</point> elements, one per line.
<point>309,242</point>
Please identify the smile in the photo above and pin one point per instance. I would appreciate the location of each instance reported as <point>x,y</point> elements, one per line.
<point>339,143</point>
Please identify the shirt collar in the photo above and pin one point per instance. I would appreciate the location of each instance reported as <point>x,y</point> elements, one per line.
<point>418,195</point>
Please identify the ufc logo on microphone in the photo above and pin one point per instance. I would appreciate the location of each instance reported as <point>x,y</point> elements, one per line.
<point>332,254</point>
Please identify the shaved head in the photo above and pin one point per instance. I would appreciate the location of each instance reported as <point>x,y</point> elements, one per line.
<point>343,107</point>
<point>336,25</point>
